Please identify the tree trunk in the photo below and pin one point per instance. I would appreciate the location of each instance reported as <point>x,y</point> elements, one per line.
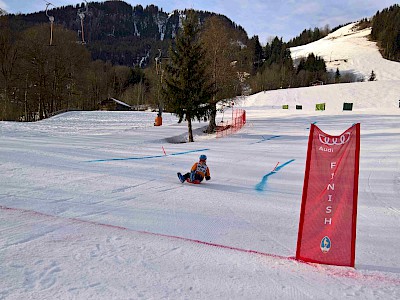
<point>4,115</point>
<point>190,131</point>
<point>212,125</point>
<point>160,109</point>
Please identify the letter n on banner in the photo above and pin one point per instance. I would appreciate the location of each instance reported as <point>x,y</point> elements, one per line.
<point>327,228</point>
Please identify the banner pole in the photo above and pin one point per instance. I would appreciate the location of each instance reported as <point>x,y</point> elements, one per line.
<point>305,188</point>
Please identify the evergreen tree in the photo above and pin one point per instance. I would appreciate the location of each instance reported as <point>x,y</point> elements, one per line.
<point>386,31</point>
<point>258,52</point>
<point>187,89</point>
<point>277,52</point>
<point>311,69</point>
<point>337,76</point>
<point>309,36</point>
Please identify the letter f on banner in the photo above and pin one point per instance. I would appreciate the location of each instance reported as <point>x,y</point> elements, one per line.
<point>327,227</point>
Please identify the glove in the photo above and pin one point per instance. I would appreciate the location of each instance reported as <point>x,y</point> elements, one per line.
<point>208,177</point>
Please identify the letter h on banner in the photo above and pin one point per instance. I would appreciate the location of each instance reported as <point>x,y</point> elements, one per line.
<point>327,227</point>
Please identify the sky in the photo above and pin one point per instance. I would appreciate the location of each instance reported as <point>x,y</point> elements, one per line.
<point>265,18</point>
<point>91,207</point>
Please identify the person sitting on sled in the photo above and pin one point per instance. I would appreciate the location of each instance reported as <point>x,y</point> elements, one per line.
<point>198,172</point>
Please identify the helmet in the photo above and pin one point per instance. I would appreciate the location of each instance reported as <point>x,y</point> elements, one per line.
<point>203,157</point>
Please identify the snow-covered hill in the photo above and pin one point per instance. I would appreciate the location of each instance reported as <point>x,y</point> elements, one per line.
<point>350,50</point>
<point>381,97</point>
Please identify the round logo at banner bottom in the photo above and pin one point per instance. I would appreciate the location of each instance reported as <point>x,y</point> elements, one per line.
<point>325,244</point>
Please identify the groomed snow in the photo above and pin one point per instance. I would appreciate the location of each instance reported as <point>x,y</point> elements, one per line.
<point>350,50</point>
<point>91,208</point>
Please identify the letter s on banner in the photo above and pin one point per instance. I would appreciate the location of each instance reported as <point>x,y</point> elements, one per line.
<point>327,227</point>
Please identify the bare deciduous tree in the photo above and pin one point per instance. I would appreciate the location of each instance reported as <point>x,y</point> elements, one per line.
<point>8,60</point>
<point>218,40</point>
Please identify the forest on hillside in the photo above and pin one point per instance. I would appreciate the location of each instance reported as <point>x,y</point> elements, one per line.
<point>115,31</point>
<point>386,31</point>
<point>121,51</point>
<point>47,68</point>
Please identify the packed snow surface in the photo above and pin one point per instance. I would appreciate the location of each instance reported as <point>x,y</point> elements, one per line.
<point>350,50</point>
<point>91,207</point>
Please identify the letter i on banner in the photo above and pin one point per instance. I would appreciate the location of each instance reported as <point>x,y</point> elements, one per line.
<point>328,215</point>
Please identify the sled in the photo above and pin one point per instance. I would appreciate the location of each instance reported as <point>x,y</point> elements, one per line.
<point>188,179</point>
<point>193,182</point>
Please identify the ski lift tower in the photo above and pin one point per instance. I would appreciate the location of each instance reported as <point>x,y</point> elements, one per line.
<point>158,61</point>
<point>159,71</point>
<point>51,19</point>
<point>81,14</point>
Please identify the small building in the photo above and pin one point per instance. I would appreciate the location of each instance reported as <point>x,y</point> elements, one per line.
<point>317,82</point>
<point>114,104</point>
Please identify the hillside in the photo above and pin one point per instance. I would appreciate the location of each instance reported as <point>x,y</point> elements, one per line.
<point>381,97</point>
<point>349,50</point>
<point>118,32</point>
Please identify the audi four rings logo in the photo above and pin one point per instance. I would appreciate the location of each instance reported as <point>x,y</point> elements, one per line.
<point>344,138</point>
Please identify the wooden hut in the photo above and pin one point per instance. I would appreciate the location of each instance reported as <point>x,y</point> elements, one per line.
<point>316,83</point>
<point>114,104</point>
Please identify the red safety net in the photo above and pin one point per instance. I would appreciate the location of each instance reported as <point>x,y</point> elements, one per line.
<point>327,229</point>
<point>231,126</point>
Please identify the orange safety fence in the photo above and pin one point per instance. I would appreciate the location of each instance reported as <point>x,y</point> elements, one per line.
<point>231,126</point>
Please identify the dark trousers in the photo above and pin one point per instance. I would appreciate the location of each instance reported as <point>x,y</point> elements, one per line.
<point>196,176</point>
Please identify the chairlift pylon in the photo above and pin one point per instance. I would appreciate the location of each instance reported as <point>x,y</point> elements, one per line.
<point>158,61</point>
<point>81,14</point>
<point>51,19</point>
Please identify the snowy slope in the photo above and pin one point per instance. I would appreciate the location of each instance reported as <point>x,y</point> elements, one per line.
<point>373,97</point>
<point>350,50</point>
<point>91,208</point>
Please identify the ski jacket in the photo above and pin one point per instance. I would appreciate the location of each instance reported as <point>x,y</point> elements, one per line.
<point>201,169</point>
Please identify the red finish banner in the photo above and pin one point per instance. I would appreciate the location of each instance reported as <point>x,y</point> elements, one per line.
<point>327,228</point>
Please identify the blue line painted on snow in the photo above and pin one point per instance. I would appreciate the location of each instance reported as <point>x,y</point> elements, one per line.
<point>267,139</point>
<point>261,185</point>
<point>146,157</point>
<point>313,124</point>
